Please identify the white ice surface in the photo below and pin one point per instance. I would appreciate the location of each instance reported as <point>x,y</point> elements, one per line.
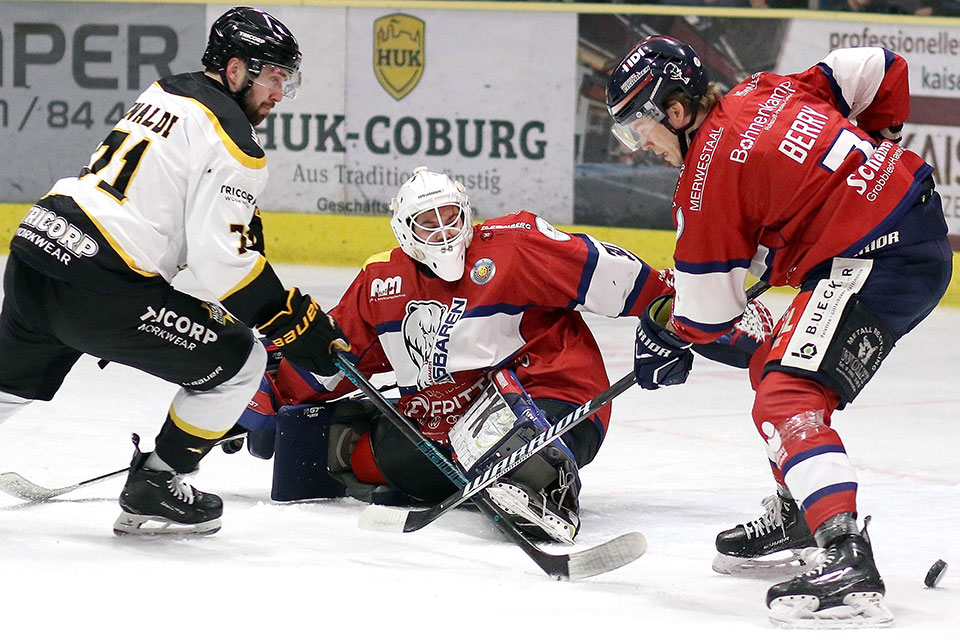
<point>679,465</point>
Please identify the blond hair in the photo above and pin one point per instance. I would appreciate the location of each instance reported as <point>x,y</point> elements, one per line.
<point>706,102</point>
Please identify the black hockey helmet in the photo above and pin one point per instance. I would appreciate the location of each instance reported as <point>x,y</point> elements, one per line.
<point>644,78</point>
<point>257,38</point>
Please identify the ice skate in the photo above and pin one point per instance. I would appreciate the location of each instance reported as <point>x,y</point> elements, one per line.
<point>777,542</point>
<point>844,591</point>
<point>534,513</point>
<point>164,503</point>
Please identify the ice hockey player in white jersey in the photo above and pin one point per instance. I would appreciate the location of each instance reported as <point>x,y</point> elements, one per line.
<point>174,185</point>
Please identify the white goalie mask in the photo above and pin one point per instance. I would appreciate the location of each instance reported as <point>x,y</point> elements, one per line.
<point>433,222</point>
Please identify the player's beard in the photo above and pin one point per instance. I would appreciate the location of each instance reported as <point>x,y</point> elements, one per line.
<point>252,109</point>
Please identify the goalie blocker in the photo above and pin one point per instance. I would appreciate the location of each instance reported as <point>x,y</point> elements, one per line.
<point>346,448</point>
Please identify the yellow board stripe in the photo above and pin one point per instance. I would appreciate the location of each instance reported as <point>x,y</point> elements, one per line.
<point>348,241</point>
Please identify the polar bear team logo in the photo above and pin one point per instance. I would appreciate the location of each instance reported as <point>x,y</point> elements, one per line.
<point>420,326</point>
<point>427,329</point>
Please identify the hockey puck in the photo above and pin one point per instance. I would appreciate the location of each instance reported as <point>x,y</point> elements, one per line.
<point>935,574</point>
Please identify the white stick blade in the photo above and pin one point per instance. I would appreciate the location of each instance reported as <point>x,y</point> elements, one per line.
<point>19,487</point>
<point>607,556</point>
<point>380,518</point>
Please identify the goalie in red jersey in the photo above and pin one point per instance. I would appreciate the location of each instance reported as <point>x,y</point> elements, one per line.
<point>799,180</point>
<point>454,306</point>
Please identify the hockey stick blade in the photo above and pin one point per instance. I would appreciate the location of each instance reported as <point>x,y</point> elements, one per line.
<point>14,484</point>
<point>597,560</point>
<point>605,557</point>
<point>602,558</point>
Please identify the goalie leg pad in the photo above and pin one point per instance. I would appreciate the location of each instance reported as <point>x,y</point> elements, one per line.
<point>314,447</point>
<point>544,491</point>
<point>302,443</point>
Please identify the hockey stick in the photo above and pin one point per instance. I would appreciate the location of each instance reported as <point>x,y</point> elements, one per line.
<point>382,518</point>
<point>16,485</point>
<point>572,566</point>
<point>757,289</point>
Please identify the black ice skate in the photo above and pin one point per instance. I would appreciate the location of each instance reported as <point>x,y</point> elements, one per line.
<point>534,513</point>
<point>845,590</point>
<point>746,547</point>
<point>162,502</point>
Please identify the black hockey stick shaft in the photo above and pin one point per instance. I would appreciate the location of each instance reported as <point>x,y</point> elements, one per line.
<point>757,289</point>
<point>16,485</point>
<point>400,421</point>
<point>556,566</point>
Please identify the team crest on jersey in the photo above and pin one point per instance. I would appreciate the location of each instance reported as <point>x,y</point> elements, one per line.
<point>550,231</point>
<point>426,328</point>
<point>420,325</point>
<point>398,53</point>
<point>483,271</point>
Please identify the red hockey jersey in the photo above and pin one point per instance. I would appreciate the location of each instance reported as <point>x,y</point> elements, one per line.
<point>517,305</point>
<point>780,177</point>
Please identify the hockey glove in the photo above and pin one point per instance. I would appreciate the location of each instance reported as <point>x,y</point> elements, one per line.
<point>893,133</point>
<point>661,358</point>
<point>306,335</point>
<point>737,346</point>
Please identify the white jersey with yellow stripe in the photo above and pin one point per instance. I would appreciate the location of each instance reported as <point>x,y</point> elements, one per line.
<point>175,185</point>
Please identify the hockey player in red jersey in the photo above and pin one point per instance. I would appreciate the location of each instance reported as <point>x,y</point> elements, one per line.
<point>174,185</point>
<point>798,180</point>
<point>456,303</point>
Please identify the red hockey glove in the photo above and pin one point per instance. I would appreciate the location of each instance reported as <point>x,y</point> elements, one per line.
<point>737,346</point>
<point>306,335</point>
<point>661,358</point>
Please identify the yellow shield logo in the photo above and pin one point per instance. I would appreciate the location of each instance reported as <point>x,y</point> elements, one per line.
<point>398,53</point>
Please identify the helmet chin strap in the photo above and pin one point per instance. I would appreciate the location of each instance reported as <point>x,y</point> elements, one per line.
<point>683,132</point>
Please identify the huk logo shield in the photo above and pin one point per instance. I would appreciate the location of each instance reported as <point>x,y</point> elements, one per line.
<point>398,53</point>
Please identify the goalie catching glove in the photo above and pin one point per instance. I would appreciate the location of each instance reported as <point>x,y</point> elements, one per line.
<point>306,335</point>
<point>661,358</point>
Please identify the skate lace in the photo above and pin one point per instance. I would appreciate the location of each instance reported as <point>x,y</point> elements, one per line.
<point>825,562</point>
<point>771,519</point>
<point>558,495</point>
<point>181,489</point>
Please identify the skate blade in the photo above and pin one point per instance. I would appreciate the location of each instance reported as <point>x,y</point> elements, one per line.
<point>514,501</point>
<point>859,610</point>
<point>138,525</point>
<point>785,564</point>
